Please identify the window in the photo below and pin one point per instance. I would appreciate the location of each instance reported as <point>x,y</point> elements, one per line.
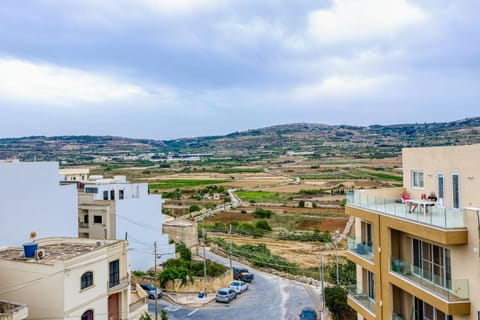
<point>371,285</point>
<point>114,274</point>
<point>424,311</point>
<point>97,219</point>
<point>121,194</point>
<point>91,190</point>
<point>112,194</point>
<point>417,179</point>
<point>456,191</point>
<point>105,195</point>
<point>85,219</point>
<point>432,263</point>
<point>87,315</point>
<point>86,280</point>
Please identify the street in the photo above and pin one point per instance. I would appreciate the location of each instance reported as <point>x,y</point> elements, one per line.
<point>268,297</point>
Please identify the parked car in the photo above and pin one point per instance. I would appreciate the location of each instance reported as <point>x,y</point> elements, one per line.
<point>240,273</point>
<point>308,313</point>
<point>238,286</point>
<point>225,295</point>
<point>150,289</point>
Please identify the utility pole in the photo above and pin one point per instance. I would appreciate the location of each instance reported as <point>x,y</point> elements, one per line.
<point>204,264</point>
<point>323,289</point>
<point>336,251</point>
<point>155,268</point>
<point>230,249</point>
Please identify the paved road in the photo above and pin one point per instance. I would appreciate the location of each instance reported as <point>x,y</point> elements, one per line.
<point>268,297</point>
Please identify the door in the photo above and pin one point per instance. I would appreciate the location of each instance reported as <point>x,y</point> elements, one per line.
<point>455,191</point>
<point>440,189</point>
<point>114,307</point>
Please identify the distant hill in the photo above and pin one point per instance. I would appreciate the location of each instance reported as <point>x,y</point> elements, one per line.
<point>375,141</point>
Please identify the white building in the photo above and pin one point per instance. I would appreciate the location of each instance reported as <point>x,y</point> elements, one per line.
<point>31,199</point>
<point>117,209</point>
<point>74,279</point>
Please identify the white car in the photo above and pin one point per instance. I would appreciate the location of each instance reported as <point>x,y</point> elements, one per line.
<point>238,286</point>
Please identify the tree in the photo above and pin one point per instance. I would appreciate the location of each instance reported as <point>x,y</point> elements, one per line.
<point>336,302</point>
<point>164,315</point>
<point>145,316</point>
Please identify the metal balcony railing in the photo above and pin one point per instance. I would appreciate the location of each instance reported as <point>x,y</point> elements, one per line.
<point>119,284</point>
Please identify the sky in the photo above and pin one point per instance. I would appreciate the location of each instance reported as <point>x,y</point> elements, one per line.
<point>166,69</point>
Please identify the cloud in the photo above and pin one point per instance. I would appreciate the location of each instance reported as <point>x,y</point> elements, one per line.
<point>41,83</point>
<point>341,87</point>
<point>356,20</point>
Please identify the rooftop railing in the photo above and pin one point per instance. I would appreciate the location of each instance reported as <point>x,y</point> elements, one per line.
<point>434,215</point>
<point>450,290</point>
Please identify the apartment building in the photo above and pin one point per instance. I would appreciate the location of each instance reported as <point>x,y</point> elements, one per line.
<point>418,258</point>
<point>116,209</point>
<point>71,279</point>
<point>30,195</point>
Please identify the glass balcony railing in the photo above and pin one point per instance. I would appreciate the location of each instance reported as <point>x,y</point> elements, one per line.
<point>356,294</point>
<point>435,216</point>
<point>450,290</point>
<point>360,248</point>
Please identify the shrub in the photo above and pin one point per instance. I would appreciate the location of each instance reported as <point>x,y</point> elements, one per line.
<point>194,208</point>
<point>260,213</point>
<point>263,225</point>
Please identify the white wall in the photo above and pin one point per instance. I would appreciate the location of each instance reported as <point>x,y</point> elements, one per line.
<point>142,218</point>
<point>31,199</point>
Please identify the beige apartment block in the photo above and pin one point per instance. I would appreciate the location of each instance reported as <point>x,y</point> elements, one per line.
<point>96,218</point>
<point>419,258</point>
<point>68,278</point>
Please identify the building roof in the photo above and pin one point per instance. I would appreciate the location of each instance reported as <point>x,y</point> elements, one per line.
<point>179,223</point>
<point>57,249</point>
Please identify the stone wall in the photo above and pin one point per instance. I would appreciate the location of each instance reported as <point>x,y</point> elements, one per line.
<point>213,284</point>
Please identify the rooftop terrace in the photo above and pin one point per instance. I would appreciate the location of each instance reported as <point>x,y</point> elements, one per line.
<point>56,249</point>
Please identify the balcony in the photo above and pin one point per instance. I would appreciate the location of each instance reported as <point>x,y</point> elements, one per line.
<point>360,248</point>
<point>376,200</point>
<point>396,316</point>
<point>356,295</point>
<point>83,225</point>
<point>451,291</point>
<point>118,285</point>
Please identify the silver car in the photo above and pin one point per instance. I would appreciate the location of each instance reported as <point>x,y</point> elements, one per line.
<point>225,295</point>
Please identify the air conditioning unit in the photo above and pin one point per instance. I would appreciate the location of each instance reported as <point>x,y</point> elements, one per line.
<point>39,254</point>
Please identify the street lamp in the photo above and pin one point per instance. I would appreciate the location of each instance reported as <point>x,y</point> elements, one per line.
<point>337,233</point>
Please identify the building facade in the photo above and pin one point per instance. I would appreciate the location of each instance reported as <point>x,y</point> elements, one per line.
<point>116,209</point>
<point>418,258</point>
<point>73,279</point>
<point>31,199</point>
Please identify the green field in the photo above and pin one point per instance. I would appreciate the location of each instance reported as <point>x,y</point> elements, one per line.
<point>181,183</point>
<point>262,196</point>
